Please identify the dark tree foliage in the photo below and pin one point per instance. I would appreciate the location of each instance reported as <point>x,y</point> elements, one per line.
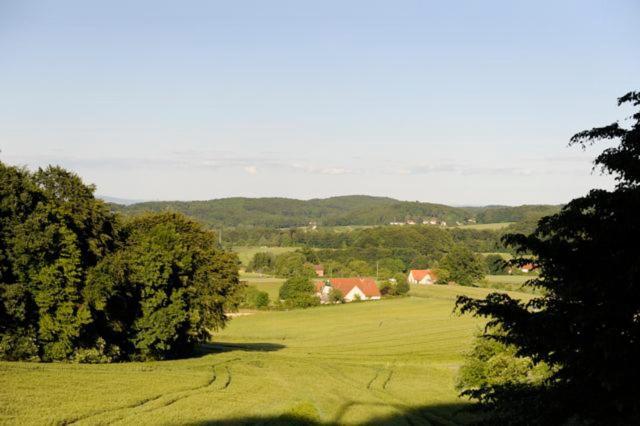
<point>76,285</point>
<point>165,290</point>
<point>587,325</point>
<point>462,266</point>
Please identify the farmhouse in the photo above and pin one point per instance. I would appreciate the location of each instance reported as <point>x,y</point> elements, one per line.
<point>421,276</point>
<point>351,288</point>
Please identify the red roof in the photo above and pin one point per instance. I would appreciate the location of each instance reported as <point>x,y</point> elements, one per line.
<point>419,274</point>
<point>345,285</point>
<point>527,266</point>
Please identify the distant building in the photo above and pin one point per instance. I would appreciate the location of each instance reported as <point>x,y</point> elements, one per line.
<point>351,288</point>
<point>319,270</point>
<point>421,276</point>
<point>411,222</point>
<point>527,268</point>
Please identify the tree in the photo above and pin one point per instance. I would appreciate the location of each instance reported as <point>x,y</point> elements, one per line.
<point>293,264</point>
<point>55,232</point>
<point>387,288</point>
<point>254,298</point>
<point>493,363</point>
<point>463,265</point>
<point>585,326</point>
<point>262,262</point>
<point>295,287</point>
<point>495,264</point>
<point>402,285</point>
<point>78,284</point>
<point>165,290</point>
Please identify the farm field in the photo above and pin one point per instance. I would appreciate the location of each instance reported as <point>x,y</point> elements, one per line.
<point>386,362</point>
<point>246,253</point>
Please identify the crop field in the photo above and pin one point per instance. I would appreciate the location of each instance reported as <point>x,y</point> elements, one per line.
<point>384,362</point>
<point>246,253</point>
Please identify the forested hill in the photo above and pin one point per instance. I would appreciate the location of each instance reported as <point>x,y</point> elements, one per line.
<point>334,211</point>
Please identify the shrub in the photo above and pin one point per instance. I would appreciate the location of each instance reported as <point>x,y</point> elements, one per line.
<point>335,296</point>
<point>254,298</point>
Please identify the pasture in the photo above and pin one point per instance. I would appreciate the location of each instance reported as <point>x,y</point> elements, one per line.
<point>385,362</point>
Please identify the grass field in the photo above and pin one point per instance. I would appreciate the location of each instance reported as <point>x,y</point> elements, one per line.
<point>385,362</point>
<point>509,282</point>
<point>246,253</point>
<point>483,226</point>
<point>269,284</point>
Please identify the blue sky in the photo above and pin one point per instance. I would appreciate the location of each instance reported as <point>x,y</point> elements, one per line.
<point>463,102</point>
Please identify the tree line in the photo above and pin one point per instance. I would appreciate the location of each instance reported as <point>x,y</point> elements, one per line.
<point>80,283</point>
<point>335,211</point>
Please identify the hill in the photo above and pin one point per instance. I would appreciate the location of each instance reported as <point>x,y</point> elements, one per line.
<point>334,211</point>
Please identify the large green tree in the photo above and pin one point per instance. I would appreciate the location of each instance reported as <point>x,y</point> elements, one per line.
<point>77,285</point>
<point>165,290</point>
<point>462,266</point>
<point>586,327</point>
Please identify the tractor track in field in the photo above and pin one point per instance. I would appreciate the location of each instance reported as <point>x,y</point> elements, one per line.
<point>173,397</point>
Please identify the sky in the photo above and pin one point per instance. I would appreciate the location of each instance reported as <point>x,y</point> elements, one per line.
<point>455,102</point>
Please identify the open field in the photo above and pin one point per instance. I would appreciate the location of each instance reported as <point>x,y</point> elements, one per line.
<point>269,284</point>
<point>246,253</point>
<point>484,226</point>
<point>391,361</point>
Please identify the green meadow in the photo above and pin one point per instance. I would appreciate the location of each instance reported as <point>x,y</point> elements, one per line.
<point>392,362</point>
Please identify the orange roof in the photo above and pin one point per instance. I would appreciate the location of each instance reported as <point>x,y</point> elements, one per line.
<point>345,285</point>
<point>419,274</point>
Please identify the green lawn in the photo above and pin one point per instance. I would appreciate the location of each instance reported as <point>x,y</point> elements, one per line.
<point>384,362</point>
<point>246,253</point>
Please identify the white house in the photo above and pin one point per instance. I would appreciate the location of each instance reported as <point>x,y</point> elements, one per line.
<point>421,276</point>
<point>351,288</point>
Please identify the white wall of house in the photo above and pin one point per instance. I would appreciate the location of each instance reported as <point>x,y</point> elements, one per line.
<point>352,294</point>
<point>426,280</point>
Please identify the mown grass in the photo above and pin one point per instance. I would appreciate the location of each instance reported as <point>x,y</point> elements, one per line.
<point>246,253</point>
<point>391,361</point>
